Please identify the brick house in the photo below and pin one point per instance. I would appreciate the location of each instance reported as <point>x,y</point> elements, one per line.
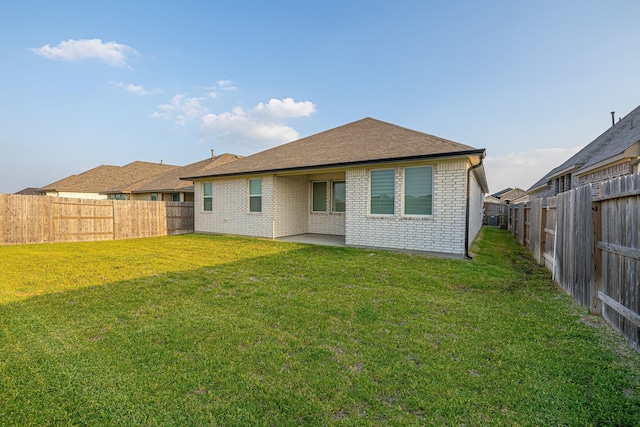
<point>613,154</point>
<point>377,184</point>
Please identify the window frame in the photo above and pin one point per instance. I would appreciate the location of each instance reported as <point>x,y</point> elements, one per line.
<point>333,197</point>
<point>257,196</point>
<point>404,190</point>
<point>393,195</point>
<point>206,197</point>
<point>313,199</point>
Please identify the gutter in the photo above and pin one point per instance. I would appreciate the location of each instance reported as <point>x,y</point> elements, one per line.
<point>466,224</point>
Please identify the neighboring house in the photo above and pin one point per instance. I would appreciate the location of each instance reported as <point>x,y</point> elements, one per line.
<point>506,196</point>
<point>614,153</point>
<point>94,183</point>
<point>495,197</point>
<point>168,186</point>
<point>378,184</point>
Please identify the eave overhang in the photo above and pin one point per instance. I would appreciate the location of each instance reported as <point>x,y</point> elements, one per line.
<point>478,153</point>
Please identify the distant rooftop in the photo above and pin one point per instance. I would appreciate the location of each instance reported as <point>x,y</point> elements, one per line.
<point>612,142</point>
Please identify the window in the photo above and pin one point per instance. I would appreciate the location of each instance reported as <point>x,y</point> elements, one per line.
<point>207,196</point>
<point>382,191</point>
<point>118,196</point>
<point>338,196</point>
<point>418,191</point>
<point>255,195</point>
<point>319,196</point>
<point>175,197</point>
<point>562,183</point>
<point>154,197</point>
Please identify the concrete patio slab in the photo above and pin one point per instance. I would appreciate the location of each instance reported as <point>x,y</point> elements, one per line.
<point>315,239</point>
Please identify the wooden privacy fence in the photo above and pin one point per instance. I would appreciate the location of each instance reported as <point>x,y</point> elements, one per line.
<point>40,219</point>
<point>592,247</point>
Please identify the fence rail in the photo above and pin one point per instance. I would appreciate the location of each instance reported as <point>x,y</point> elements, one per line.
<point>592,247</point>
<point>39,219</point>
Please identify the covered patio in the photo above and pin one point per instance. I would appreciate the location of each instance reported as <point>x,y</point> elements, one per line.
<point>315,239</point>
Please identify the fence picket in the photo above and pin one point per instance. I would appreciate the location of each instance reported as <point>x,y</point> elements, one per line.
<point>592,246</point>
<point>40,219</point>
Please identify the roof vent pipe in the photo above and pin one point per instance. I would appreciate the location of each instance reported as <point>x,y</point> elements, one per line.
<point>613,118</point>
<point>212,156</point>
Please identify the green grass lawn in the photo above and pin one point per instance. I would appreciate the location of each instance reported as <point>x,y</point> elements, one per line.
<point>213,330</point>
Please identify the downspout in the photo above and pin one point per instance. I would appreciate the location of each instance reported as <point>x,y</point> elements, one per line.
<point>466,225</point>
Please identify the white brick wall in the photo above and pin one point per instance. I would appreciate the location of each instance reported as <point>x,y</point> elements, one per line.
<point>230,213</point>
<point>442,232</point>
<point>286,210</point>
<point>476,206</point>
<point>291,205</point>
<point>326,222</point>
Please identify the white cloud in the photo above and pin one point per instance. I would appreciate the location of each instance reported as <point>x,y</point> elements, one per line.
<point>525,168</point>
<point>227,85</point>
<point>240,130</point>
<point>137,89</point>
<point>284,109</point>
<point>257,128</point>
<point>241,127</point>
<point>112,53</point>
<point>222,85</point>
<point>181,109</point>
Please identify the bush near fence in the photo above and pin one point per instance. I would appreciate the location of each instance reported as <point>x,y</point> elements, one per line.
<point>41,219</point>
<point>591,244</point>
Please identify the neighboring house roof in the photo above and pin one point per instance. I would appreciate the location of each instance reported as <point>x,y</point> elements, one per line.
<point>170,181</point>
<point>30,191</point>
<point>500,193</point>
<point>608,146</point>
<point>364,141</point>
<point>107,178</point>
<point>507,195</point>
<point>512,194</point>
<point>491,199</point>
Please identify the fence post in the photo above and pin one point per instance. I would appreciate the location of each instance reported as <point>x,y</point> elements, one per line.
<point>595,305</point>
<point>543,233</point>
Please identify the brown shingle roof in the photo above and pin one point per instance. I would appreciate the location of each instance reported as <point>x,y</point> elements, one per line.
<point>107,178</point>
<point>170,181</point>
<point>612,142</point>
<point>362,141</point>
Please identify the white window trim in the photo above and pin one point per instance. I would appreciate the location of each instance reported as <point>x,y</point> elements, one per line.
<point>249,211</point>
<point>331,197</point>
<point>206,197</point>
<point>395,189</point>
<point>326,196</point>
<point>404,185</point>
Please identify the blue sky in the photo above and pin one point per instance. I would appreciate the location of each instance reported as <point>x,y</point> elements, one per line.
<point>108,82</point>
